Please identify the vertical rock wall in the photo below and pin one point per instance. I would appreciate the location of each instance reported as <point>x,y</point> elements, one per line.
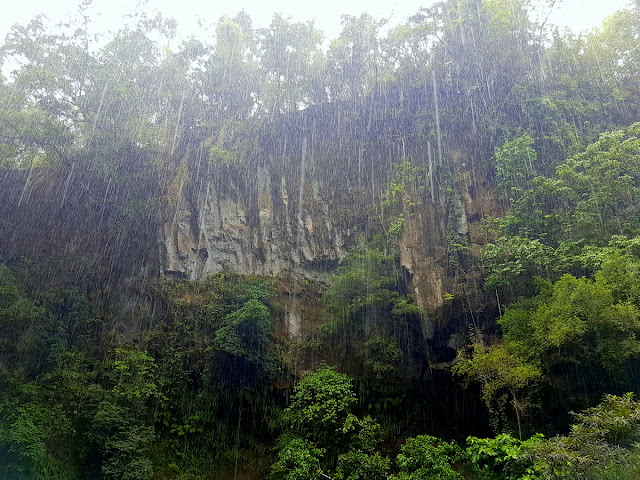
<point>255,228</point>
<point>273,221</point>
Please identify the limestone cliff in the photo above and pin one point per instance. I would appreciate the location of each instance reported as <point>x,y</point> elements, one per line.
<point>295,221</point>
<point>273,226</point>
<point>292,211</point>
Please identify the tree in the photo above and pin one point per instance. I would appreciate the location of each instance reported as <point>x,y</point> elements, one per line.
<point>354,59</point>
<point>299,460</point>
<point>515,166</point>
<point>513,261</point>
<point>246,332</point>
<point>502,457</point>
<point>324,435</point>
<point>427,458</point>
<point>290,60</point>
<point>365,302</point>
<point>577,322</point>
<point>499,369</point>
<point>229,78</point>
<point>592,196</point>
<point>321,403</point>
<point>601,444</point>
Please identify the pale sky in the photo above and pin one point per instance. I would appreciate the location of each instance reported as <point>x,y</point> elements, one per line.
<point>576,14</point>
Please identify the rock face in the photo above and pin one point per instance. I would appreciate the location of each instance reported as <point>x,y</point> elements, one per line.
<point>279,218</point>
<point>274,226</point>
<point>290,213</point>
<point>432,231</point>
<point>276,221</point>
<point>423,254</point>
<point>304,192</point>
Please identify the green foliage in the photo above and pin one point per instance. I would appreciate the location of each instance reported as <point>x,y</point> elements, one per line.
<point>36,430</point>
<point>362,460</point>
<point>502,457</point>
<point>365,308</point>
<point>515,166</point>
<point>395,227</point>
<point>359,465</point>
<point>321,401</point>
<point>228,312</point>
<point>126,454</point>
<point>190,424</point>
<point>500,369</point>
<point>579,320</point>
<point>96,410</point>
<point>601,444</point>
<point>365,277</point>
<point>353,59</point>
<point>298,460</point>
<point>497,368</point>
<point>119,432</point>
<point>403,194</point>
<point>124,127</point>
<point>427,458</point>
<point>213,357</point>
<point>289,59</point>
<point>220,156</point>
<point>581,220</point>
<point>333,439</point>
<point>135,375</point>
<point>571,221</point>
<point>382,356</point>
<point>583,329</point>
<point>592,196</point>
<point>245,332</point>
<point>514,260</point>
<point>406,177</point>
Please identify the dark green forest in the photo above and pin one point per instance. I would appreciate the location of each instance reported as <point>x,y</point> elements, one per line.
<point>468,307</point>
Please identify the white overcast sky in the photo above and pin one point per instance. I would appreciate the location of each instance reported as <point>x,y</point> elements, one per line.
<point>577,14</point>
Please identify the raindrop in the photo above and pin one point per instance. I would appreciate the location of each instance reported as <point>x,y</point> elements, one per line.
<point>301,225</point>
<point>437,112</point>
<point>95,121</point>
<point>66,185</point>
<point>27,182</point>
<point>175,133</point>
